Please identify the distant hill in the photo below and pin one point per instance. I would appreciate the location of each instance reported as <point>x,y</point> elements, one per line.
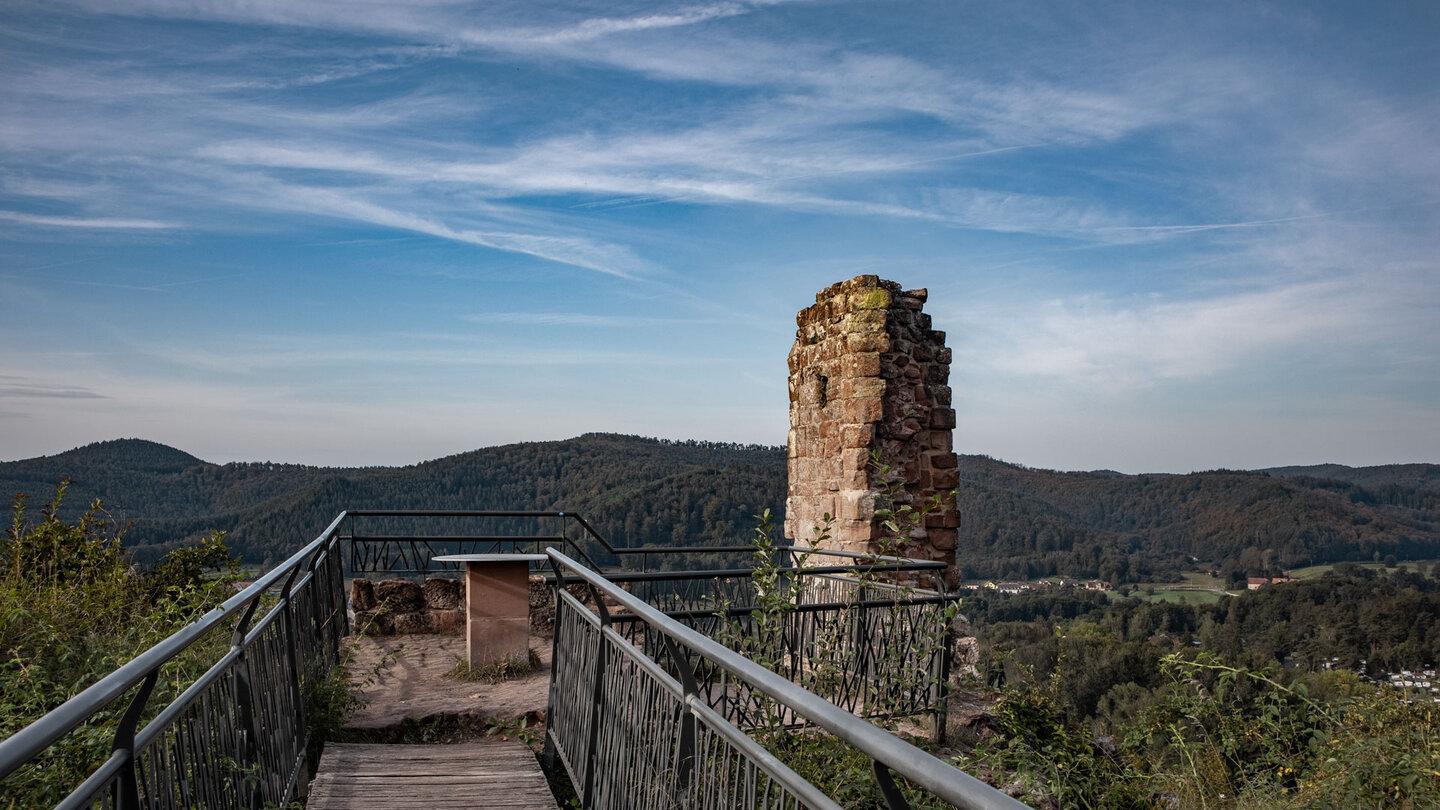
<point>1411,476</point>
<point>1016,521</point>
<point>1025,522</point>
<point>634,491</point>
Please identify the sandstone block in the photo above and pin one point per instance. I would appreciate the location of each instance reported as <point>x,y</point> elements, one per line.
<point>867,387</point>
<point>870,299</point>
<point>853,436</point>
<point>857,506</point>
<point>362,595</point>
<point>865,342</point>
<point>942,419</point>
<point>854,460</point>
<point>854,479</point>
<point>942,461</point>
<point>448,622</point>
<point>944,539</point>
<point>415,622</point>
<point>441,594</point>
<point>399,595</point>
<point>943,518</point>
<point>864,411</point>
<point>865,364</point>
<point>374,623</point>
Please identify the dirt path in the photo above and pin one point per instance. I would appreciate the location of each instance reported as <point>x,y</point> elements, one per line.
<point>404,677</point>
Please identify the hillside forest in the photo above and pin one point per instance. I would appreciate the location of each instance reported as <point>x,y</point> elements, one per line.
<point>1016,522</point>
<point>1076,698</point>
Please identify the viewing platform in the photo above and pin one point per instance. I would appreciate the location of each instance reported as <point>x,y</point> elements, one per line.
<point>649,679</point>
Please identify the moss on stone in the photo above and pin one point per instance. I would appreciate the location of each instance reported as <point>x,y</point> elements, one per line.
<point>871,299</point>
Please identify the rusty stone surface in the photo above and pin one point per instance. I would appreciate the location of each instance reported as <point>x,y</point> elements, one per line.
<point>868,375</point>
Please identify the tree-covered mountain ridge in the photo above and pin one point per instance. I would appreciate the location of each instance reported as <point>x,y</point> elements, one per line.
<point>1016,521</point>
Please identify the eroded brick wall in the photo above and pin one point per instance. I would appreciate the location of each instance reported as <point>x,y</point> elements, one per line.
<point>868,374</point>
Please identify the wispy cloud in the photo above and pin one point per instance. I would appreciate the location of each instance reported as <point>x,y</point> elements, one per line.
<point>1102,344</point>
<point>610,259</point>
<point>573,319</point>
<point>112,223</point>
<point>38,390</point>
<point>376,356</point>
<point>1130,200</point>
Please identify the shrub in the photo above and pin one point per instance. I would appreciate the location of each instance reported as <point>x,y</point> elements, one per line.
<point>72,610</point>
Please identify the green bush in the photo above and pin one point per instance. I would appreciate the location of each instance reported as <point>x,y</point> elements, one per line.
<point>1218,735</point>
<point>72,610</point>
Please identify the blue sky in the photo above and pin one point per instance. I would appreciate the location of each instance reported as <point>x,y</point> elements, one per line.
<point>1160,236</point>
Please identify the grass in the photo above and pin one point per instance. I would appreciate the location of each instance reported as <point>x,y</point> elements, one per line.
<point>503,670</point>
<point>1184,596</point>
<point>1312,571</point>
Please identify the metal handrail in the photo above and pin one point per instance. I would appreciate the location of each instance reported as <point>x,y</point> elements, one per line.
<point>300,635</point>
<point>619,551</point>
<point>644,552</point>
<point>296,577</point>
<point>885,750</point>
<point>39,735</point>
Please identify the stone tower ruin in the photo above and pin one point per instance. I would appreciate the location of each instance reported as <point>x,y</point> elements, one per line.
<point>868,375</point>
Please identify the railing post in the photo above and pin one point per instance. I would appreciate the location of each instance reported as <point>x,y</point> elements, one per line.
<point>127,786</point>
<point>548,757</point>
<point>942,681</point>
<point>942,685</point>
<point>685,753</point>
<point>244,706</point>
<point>587,799</point>
<point>293,658</point>
<point>247,733</point>
<point>894,799</point>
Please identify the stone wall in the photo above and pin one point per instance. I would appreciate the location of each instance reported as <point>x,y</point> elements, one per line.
<point>400,607</point>
<point>868,375</point>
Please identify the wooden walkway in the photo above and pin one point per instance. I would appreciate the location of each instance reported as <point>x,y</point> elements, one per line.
<point>434,777</point>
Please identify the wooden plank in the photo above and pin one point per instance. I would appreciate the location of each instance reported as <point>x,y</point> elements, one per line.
<point>429,777</point>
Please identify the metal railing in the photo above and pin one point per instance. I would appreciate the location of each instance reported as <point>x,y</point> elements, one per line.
<point>402,541</point>
<point>234,738</point>
<point>634,728</point>
<point>869,646</point>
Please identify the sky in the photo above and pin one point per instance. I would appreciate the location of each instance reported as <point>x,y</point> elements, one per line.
<point>1159,237</point>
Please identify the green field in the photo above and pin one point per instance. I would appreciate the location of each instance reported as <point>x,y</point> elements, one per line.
<point>1312,571</point>
<point>1169,592</point>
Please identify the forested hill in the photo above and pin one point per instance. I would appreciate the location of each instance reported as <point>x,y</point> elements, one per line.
<point>634,490</point>
<point>1386,476</point>
<point>1016,521</point>
<point>1021,522</point>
